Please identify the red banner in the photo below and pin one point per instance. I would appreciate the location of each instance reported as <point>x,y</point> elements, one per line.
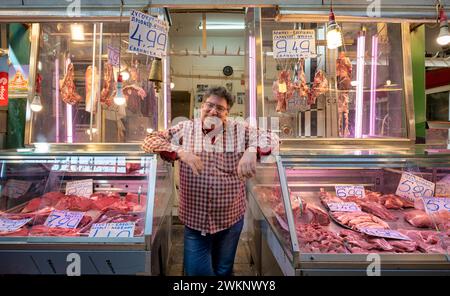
<point>3,89</point>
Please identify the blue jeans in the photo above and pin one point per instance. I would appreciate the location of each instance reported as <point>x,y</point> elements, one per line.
<point>211,254</point>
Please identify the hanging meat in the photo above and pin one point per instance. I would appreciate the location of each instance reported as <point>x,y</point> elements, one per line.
<point>134,95</point>
<point>319,87</point>
<point>283,90</point>
<point>89,89</point>
<point>300,84</point>
<point>109,89</point>
<point>343,80</point>
<point>67,87</point>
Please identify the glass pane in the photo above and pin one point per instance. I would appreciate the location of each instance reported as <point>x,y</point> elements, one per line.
<point>355,91</point>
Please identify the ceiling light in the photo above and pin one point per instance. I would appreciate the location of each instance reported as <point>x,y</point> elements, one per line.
<point>222,26</point>
<point>172,85</point>
<point>36,104</point>
<point>444,37</point>
<point>77,32</point>
<point>334,34</point>
<point>125,75</point>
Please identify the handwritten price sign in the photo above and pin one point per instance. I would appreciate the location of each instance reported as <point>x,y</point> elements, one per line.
<point>7,225</point>
<point>343,207</point>
<point>15,188</point>
<point>64,219</point>
<point>125,229</point>
<point>113,56</point>
<point>413,187</point>
<point>80,188</point>
<point>386,233</point>
<point>343,191</point>
<point>148,34</point>
<point>436,204</point>
<point>288,44</point>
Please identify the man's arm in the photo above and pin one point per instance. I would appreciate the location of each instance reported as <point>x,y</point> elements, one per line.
<point>166,143</point>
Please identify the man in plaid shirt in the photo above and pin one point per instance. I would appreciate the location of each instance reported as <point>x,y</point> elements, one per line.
<point>217,155</point>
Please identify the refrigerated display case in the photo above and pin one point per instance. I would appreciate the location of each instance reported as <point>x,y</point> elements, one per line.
<point>294,232</point>
<point>111,208</point>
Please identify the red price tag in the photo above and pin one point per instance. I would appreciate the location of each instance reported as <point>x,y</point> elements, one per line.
<point>3,89</point>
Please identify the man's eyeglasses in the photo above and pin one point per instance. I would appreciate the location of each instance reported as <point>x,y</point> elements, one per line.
<point>219,108</point>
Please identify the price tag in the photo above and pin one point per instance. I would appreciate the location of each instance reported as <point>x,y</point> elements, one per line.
<point>436,204</point>
<point>15,188</point>
<point>148,34</point>
<point>7,225</point>
<point>386,233</point>
<point>113,56</point>
<point>64,219</point>
<point>288,44</point>
<point>282,88</point>
<point>343,207</point>
<point>125,229</point>
<point>344,191</point>
<point>413,187</point>
<point>80,188</point>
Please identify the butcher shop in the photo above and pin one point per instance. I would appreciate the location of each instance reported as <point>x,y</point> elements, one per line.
<point>353,185</point>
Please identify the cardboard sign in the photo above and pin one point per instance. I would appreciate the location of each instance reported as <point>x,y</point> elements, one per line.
<point>3,88</point>
<point>15,188</point>
<point>288,44</point>
<point>344,191</point>
<point>7,225</point>
<point>343,207</point>
<point>436,204</point>
<point>148,35</point>
<point>64,219</point>
<point>113,56</point>
<point>125,229</point>
<point>413,187</point>
<point>80,188</point>
<point>385,233</point>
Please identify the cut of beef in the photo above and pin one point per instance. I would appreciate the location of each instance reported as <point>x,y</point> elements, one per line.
<point>419,219</point>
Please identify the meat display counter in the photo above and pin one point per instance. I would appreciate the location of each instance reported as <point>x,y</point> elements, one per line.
<point>108,212</point>
<point>351,213</point>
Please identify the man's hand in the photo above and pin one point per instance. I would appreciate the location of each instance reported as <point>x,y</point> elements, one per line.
<point>192,160</point>
<point>247,165</point>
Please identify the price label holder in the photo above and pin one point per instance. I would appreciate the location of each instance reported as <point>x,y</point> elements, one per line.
<point>436,204</point>
<point>80,187</point>
<point>385,233</point>
<point>8,225</point>
<point>64,219</point>
<point>343,207</point>
<point>148,34</point>
<point>413,187</point>
<point>125,229</point>
<point>288,44</point>
<point>113,56</point>
<point>344,191</point>
<point>16,188</point>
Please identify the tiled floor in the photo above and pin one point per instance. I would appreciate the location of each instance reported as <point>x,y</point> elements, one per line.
<point>242,264</point>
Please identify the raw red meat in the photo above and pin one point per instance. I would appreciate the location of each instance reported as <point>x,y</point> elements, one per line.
<point>133,197</point>
<point>47,200</point>
<point>357,220</point>
<point>378,210</point>
<point>392,201</point>
<point>314,238</point>
<point>319,216</point>
<point>109,89</point>
<point>32,205</point>
<point>74,203</point>
<point>419,219</point>
<point>319,87</point>
<point>41,230</point>
<point>68,89</point>
<point>283,96</point>
<point>23,231</point>
<point>102,201</point>
<point>300,84</point>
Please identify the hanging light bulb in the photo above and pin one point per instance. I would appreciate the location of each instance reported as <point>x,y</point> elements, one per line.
<point>77,32</point>
<point>172,85</point>
<point>119,99</point>
<point>444,37</point>
<point>125,75</point>
<point>36,104</point>
<point>334,34</point>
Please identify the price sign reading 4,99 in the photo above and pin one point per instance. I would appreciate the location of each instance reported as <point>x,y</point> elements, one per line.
<point>413,187</point>
<point>386,233</point>
<point>64,219</point>
<point>148,34</point>
<point>288,44</point>
<point>436,204</point>
<point>344,191</point>
<point>124,229</point>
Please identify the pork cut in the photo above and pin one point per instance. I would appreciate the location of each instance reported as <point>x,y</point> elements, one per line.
<point>67,87</point>
<point>418,219</point>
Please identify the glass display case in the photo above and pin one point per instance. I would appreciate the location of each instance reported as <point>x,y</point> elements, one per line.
<point>331,212</point>
<point>111,209</point>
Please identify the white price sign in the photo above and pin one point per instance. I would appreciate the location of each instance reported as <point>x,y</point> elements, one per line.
<point>288,44</point>
<point>436,204</point>
<point>148,34</point>
<point>413,187</point>
<point>7,225</point>
<point>80,188</point>
<point>386,233</point>
<point>15,188</point>
<point>125,229</point>
<point>344,191</point>
<point>343,207</point>
<point>64,219</point>
<point>113,56</point>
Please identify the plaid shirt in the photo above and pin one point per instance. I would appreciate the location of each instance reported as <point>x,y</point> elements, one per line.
<point>214,200</point>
